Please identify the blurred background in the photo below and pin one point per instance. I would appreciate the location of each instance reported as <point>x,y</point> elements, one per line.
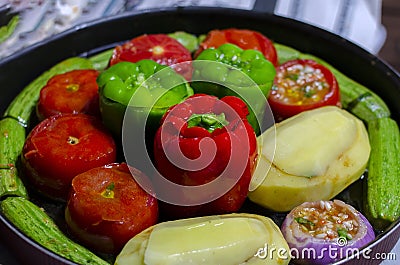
<point>369,23</point>
<point>390,51</point>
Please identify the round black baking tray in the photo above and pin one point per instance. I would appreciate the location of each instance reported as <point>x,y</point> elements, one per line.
<point>17,70</point>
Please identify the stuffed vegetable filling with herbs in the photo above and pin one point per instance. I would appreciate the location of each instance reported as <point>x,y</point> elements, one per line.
<point>301,85</point>
<point>331,229</point>
<point>305,85</point>
<point>327,222</point>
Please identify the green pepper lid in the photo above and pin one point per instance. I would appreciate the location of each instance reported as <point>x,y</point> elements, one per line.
<point>251,62</point>
<point>231,71</point>
<point>144,85</point>
<point>188,40</point>
<point>141,83</point>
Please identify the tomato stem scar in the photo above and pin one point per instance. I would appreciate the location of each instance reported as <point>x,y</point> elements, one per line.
<point>73,87</point>
<point>158,50</point>
<point>72,140</point>
<point>109,191</point>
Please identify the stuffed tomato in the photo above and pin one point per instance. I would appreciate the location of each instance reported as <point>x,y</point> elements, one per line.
<point>75,91</point>
<point>63,146</point>
<point>160,48</point>
<point>244,38</point>
<point>106,207</point>
<point>301,85</point>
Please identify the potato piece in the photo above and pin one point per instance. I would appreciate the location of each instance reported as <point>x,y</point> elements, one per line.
<point>320,162</point>
<point>298,141</point>
<point>224,239</point>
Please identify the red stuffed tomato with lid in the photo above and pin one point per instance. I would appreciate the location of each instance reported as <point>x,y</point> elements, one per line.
<point>75,91</point>
<point>63,146</point>
<point>301,85</point>
<point>107,207</point>
<point>244,38</point>
<point>157,47</point>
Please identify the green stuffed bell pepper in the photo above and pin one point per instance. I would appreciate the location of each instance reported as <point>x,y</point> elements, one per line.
<point>141,85</point>
<point>231,71</point>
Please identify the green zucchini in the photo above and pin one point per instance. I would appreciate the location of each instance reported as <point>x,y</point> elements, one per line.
<point>355,97</point>
<point>188,40</point>
<point>12,138</point>
<point>286,53</point>
<point>22,106</point>
<point>100,61</point>
<point>383,185</point>
<point>11,184</point>
<point>36,224</point>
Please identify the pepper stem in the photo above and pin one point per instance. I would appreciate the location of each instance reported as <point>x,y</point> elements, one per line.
<point>208,121</point>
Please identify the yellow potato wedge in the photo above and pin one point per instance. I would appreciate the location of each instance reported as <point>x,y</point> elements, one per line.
<point>309,157</point>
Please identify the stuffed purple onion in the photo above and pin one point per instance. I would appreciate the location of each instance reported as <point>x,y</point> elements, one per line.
<point>323,232</point>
